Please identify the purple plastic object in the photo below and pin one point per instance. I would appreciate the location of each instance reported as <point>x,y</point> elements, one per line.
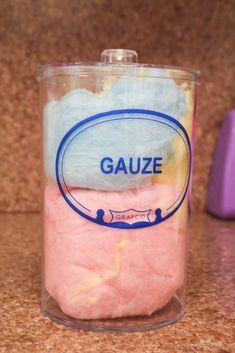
<point>221,197</point>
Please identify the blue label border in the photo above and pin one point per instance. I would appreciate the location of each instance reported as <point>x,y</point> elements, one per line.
<point>99,219</point>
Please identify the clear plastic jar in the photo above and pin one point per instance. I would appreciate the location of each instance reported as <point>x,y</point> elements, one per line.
<point>117,161</point>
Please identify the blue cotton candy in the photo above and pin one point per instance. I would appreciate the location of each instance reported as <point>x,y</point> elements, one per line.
<point>128,138</point>
<point>153,93</point>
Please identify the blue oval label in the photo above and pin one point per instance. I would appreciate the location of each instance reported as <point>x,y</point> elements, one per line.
<point>125,168</point>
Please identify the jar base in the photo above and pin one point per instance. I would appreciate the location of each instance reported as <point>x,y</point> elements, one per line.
<point>170,314</point>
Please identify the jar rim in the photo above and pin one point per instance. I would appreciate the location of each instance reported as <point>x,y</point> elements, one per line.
<point>85,68</point>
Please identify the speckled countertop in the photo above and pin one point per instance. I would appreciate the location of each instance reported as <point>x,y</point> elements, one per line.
<point>208,326</point>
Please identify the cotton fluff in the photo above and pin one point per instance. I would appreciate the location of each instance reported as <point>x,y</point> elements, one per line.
<point>128,138</point>
<point>95,272</point>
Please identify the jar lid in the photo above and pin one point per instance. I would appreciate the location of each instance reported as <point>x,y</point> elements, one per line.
<point>117,62</point>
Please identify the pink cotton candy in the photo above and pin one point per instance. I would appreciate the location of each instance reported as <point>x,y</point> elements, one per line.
<point>94,272</point>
